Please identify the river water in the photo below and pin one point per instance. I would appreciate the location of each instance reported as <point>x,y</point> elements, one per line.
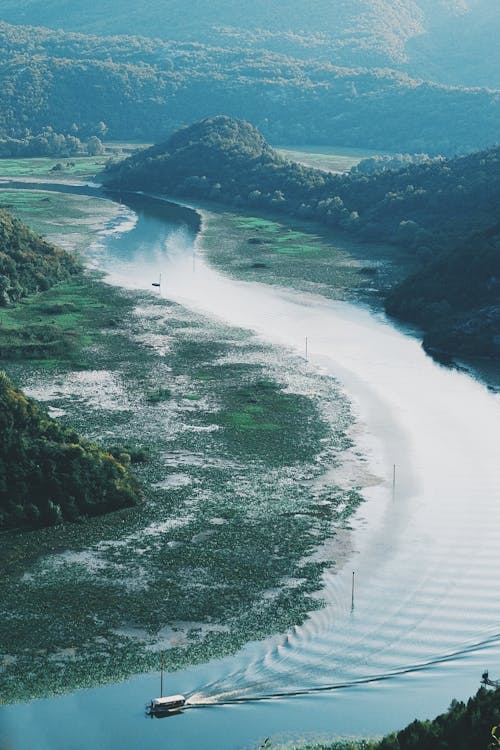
<point>424,619</point>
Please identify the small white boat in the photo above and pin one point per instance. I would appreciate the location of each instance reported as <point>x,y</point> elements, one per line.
<point>166,705</point>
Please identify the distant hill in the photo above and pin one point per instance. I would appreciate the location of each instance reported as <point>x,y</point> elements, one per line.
<point>451,41</point>
<point>133,88</point>
<point>428,207</point>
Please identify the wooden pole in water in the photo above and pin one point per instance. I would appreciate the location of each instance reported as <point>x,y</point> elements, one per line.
<point>352,598</point>
<point>306,348</point>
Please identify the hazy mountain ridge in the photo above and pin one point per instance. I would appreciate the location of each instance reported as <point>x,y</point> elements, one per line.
<point>409,34</point>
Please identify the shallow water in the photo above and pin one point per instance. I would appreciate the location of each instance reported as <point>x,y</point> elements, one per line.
<point>426,616</point>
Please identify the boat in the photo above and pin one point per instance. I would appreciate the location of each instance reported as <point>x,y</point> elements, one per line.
<point>166,706</point>
<point>485,680</point>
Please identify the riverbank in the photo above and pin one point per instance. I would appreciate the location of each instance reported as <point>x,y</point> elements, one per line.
<point>220,551</point>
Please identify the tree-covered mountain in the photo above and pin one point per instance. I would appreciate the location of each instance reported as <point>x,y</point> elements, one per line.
<point>48,474</point>
<point>27,262</point>
<point>427,207</point>
<point>133,88</point>
<point>426,36</point>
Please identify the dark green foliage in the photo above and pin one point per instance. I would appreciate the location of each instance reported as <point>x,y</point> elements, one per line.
<point>130,87</point>
<point>227,160</point>
<point>427,208</point>
<point>27,262</point>
<point>456,298</point>
<point>46,143</point>
<point>465,726</point>
<point>47,473</point>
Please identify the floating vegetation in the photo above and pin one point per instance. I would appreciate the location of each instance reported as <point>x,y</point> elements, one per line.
<point>229,448</point>
<point>232,443</point>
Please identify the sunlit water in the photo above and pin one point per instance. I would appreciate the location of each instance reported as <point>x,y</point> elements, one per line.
<point>426,613</point>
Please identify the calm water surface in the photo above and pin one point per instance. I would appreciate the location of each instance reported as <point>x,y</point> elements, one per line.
<point>426,616</point>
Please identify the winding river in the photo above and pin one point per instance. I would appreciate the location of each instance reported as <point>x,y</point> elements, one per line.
<point>424,618</point>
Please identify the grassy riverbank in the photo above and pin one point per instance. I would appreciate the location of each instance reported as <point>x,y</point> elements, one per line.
<point>234,506</point>
<point>298,254</point>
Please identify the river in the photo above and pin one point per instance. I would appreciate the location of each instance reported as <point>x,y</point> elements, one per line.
<point>424,619</point>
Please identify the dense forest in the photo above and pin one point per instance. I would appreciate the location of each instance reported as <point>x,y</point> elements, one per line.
<point>47,473</point>
<point>27,262</point>
<point>427,207</point>
<point>143,89</point>
<point>423,206</point>
<point>452,41</point>
<point>48,143</point>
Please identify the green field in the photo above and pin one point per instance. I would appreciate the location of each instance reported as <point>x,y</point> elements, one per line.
<point>60,169</point>
<point>328,159</point>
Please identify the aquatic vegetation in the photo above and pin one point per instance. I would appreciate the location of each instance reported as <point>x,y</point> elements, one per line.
<point>229,512</point>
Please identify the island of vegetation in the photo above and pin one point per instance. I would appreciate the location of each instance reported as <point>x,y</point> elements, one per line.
<point>427,207</point>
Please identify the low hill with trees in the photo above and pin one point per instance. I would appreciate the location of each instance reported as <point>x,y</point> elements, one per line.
<point>48,474</point>
<point>27,262</point>
<point>430,208</point>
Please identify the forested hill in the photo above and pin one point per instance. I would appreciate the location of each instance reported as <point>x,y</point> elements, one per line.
<point>453,41</point>
<point>430,208</point>
<point>137,88</point>
<point>47,473</point>
<point>425,206</point>
<point>27,262</point>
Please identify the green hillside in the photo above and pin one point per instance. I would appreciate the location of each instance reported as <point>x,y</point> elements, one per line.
<point>427,208</point>
<point>27,262</point>
<point>48,474</point>
<point>427,37</point>
<point>136,88</point>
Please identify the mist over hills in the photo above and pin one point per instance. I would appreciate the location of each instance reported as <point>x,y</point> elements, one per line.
<point>449,41</point>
